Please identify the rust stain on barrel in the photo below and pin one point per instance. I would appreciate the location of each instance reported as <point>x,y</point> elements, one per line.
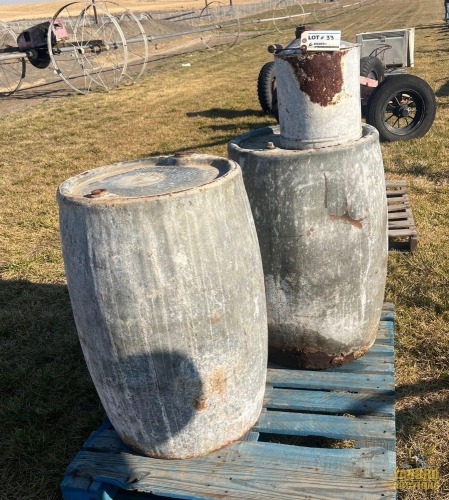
<point>216,318</point>
<point>319,75</point>
<point>358,223</point>
<point>200,403</point>
<point>217,382</point>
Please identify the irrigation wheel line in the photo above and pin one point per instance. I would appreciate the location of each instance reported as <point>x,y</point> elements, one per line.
<point>288,10</point>
<point>95,56</point>
<point>136,40</point>
<point>219,26</point>
<point>12,70</point>
<point>102,49</point>
<point>288,14</point>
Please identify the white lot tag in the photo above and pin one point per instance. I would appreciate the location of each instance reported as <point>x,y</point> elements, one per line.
<point>321,40</point>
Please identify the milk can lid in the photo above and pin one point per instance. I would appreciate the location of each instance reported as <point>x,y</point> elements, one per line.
<point>149,177</point>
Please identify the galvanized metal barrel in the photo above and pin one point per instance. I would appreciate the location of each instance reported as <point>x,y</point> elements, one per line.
<point>321,218</point>
<point>166,284</point>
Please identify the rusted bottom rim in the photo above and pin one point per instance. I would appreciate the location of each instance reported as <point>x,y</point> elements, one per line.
<point>312,360</point>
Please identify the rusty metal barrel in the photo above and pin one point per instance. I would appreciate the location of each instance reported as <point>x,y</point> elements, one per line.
<point>320,214</point>
<point>166,284</point>
<point>318,96</point>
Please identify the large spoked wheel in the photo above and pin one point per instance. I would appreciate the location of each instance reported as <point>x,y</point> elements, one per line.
<point>93,54</point>
<point>219,26</point>
<point>403,107</point>
<point>288,14</point>
<point>12,71</point>
<point>136,40</point>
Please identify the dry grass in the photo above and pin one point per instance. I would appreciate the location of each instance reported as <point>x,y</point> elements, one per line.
<point>48,8</point>
<point>49,405</point>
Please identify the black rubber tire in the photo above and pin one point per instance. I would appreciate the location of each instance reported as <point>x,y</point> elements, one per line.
<point>403,107</point>
<point>39,58</point>
<point>372,67</point>
<point>266,85</point>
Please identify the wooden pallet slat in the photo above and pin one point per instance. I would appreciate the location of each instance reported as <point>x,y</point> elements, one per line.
<point>399,199</point>
<point>401,224</point>
<point>395,183</point>
<point>400,207</point>
<point>303,379</point>
<point>381,350</point>
<point>329,402</point>
<point>400,219</point>
<point>354,403</point>
<point>398,215</point>
<point>379,431</point>
<point>402,232</point>
<point>396,192</point>
<point>249,471</point>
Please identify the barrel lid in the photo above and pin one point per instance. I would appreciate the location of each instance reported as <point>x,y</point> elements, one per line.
<point>148,177</point>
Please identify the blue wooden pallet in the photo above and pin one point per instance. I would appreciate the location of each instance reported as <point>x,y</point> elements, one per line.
<point>354,403</point>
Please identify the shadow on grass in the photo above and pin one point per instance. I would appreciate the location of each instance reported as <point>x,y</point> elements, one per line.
<point>192,148</point>
<point>442,27</point>
<point>49,404</point>
<point>434,50</point>
<point>231,128</point>
<point>424,388</point>
<point>31,93</point>
<point>229,132</point>
<point>429,401</point>
<point>443,91</point>
<point>422,171</point>
<point>229,114</point>
<point>411,419</point>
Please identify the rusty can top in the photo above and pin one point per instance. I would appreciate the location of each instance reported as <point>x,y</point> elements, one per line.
<point>318,96</point>
<point>149,177</point>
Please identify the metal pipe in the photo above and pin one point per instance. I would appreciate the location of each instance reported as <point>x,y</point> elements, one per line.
<point>95,12</point>
<point>179,15</point>
<point>13,55</point>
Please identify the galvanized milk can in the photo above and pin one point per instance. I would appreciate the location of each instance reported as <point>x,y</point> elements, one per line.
<point>317,191</point>
<point>166,284</point>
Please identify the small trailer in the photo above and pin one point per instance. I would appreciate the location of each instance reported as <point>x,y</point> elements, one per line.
<point>401,106</point>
